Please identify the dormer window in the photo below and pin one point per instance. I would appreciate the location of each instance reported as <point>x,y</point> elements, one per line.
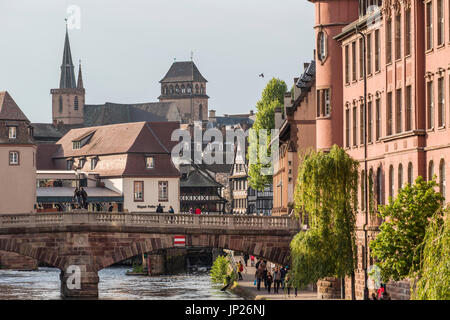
<point>76,145</point>
<point>94,163</point>
<point>149,162</point>
<point>81,141</point>
<point>69,164</point>
<point>12,132</point>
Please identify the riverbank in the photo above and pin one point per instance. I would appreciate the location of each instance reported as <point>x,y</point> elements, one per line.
<point>246,289</point>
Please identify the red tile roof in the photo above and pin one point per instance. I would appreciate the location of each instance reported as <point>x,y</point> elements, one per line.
<point>9,110</point>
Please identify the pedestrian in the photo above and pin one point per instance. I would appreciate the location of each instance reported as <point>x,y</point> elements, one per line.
<point>159,209</point>
<point>289,284</point>
<point>246,259</point>
<point>269,281</point>
<point>171,210</point>
<point>84,197</point>
<point>259,278</point>
<point>240,268</point>
<point>276,279</point>
<point>77,197</point>
<point>252,261</point>
<point>283,276</point>
<point>198,211</point>
<point>257,264</point>
<point>265,272</point>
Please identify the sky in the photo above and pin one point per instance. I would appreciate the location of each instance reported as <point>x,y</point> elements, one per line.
<point>126,48</point>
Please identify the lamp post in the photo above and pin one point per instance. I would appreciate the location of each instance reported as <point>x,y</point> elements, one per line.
<point>366,194</point>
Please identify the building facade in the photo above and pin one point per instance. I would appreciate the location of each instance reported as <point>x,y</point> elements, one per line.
<point>17,159</point>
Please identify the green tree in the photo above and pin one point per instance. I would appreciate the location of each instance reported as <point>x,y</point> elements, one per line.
<point>397,246</point>
<point>272,97</point>
<point>326,200</point>
<point>434,273</point>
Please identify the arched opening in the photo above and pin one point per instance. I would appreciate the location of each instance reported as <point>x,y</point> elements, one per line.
<point>442,178</point>
<point>430,170</point>
<point>60,104</point>
<point>75,103</point>
<point>363,191</point>
<point>400,176</point>
<point>379,186</point>
<point>200,112</point>
<point>391,181</point>
<point>410,173</point>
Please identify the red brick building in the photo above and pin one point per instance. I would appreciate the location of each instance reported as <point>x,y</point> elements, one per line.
<point>407,55</point>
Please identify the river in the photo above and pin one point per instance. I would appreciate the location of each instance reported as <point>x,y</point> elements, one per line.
<point>44,284</point>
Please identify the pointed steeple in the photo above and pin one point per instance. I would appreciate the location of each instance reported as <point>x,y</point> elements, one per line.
<point>80,78</point>
<point>67,70</point>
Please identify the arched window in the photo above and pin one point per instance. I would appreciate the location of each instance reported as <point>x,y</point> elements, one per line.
<point>189,89</point>
<point>321,46</point>
<point>177,89</point>
<point>379,186</point>
<point>200,112</point>
<point>370,186</point>
<point>196,88</point>
<point>400,176</point>
<point>60,104</point>
<point>76,103</point>
<point>171,89</point>
<point>442,177</point>
<point>430,170</point>
<point>202,89</point>
<point>183,89</point>
<point>410,173</point>
<point>391,181</point>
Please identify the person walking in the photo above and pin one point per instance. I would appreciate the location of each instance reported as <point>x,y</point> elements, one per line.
<point>283,276</point>
<point>246,259</point>
<point>259,277</point>
<point>276,279</point>
<point>269,280</point>
<point>84,197</point>
<point>240,268</point>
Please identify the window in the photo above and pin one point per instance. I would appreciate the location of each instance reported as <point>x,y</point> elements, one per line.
<point>389,114</point>
<point>138,191</point>
<point>347,71</point>
<point>378,119</point>
<point>321,46</point>
<point>391,181</point>
<point>369,120</point>
<point>399,111</point>
<point>363,191</point>
<point>400,176</point>
<point>440,22</point>
<point>163,192</point>
<point>369,54</point>
<point>441,102</point>
<point>81,163</point>
<point>94,163</point>
<point>408,110</point>
<point>388,41</point>
<point>410,173</point>
<point>149,162</point>
<point>200,112</point>
<point>354,126</point>
<point>76,103</point>
<point>398,36</point>
<point>183,90</point>
<point>69,164</point>
<point>408,32</point>
<point>354,61</point>
<point>76,145</point>
<point>430,170</point>
<point>361,124</point>
<point>60,104</point>
<point>12,132</point>
<point>323,103</point>
<point>377,50</point>
<point>361,58</point>
<point>430,105</point>
<point>429,25</point>
<point>347,128</point>
<point>13,158</point>
<point>442,177</point>
<point>379,186</point>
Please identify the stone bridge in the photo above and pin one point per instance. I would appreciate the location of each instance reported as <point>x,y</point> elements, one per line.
<point>86,242</point>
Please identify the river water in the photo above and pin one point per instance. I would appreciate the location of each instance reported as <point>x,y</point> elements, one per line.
<point>44,284</point>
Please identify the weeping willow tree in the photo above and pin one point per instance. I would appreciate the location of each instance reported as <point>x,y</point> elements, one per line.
<point>434,274</point>
<point>325,200</point>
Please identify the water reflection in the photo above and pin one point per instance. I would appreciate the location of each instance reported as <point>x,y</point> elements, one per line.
<point>114,284</point>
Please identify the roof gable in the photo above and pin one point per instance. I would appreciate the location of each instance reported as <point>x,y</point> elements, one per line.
<point>9,110</point>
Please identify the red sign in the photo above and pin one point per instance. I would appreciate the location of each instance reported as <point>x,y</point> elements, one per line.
<point>179,241</point>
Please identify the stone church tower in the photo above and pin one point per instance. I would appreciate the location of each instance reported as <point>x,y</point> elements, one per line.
<point>68,101</point>
<point>184,85</point>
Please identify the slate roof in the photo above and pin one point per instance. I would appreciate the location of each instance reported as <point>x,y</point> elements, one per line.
<point>194,176</point>
<point>9,110</point>
<point>67,80</point>
<point>183,71</point>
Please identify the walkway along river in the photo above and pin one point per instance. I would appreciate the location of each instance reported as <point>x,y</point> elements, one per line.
<point>114,285</point>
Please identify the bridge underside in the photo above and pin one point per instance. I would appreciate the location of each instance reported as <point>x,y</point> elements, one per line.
<point>88,250</point>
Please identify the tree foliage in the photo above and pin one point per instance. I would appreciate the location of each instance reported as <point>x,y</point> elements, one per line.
<point>434,273</point>
<point>272,97</point>
<point>326,199</point>
<point>222,271</point>
<point>397,246</point>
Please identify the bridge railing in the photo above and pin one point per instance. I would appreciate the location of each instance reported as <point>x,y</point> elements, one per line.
<point>147,219</point>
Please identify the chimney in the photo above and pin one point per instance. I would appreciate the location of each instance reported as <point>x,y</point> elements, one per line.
<point>55,122</point>
<point>212,115</point>
<point>251,112</point>
<point>278,118</point>
<point>287,99</point>
<point>306,65</point>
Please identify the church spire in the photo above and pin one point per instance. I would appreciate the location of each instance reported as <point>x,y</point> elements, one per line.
<point>67,70</point>
<point>80,78</point>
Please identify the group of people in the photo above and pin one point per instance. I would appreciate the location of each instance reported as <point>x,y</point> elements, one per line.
<point>80,196</point>
<point>381,294</point>
<point>197,210</point>
<point>159,209</point>
<point>278,277</point>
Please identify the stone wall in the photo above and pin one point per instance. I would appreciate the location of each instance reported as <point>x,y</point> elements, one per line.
<point>15,261</point>
<point>329,288</point>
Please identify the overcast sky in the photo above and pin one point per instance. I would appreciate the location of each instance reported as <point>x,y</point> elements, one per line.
<point>126,48</point>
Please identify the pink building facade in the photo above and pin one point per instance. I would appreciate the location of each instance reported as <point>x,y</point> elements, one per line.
<point>407,55</point>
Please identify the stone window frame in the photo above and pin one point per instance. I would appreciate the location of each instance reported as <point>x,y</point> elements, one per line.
<point>161,191</point>
<point>429,32</point>
<point>75,103</point>
<point>322,46</point>
<point>17,162</point>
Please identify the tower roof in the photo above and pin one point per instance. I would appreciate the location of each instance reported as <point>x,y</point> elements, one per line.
<point>80,79</point>
<point>67,71</point>
<point>183,71</point>
<point>9,110</point>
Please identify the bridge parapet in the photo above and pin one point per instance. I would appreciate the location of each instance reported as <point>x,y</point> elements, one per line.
<point>233,222</point>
